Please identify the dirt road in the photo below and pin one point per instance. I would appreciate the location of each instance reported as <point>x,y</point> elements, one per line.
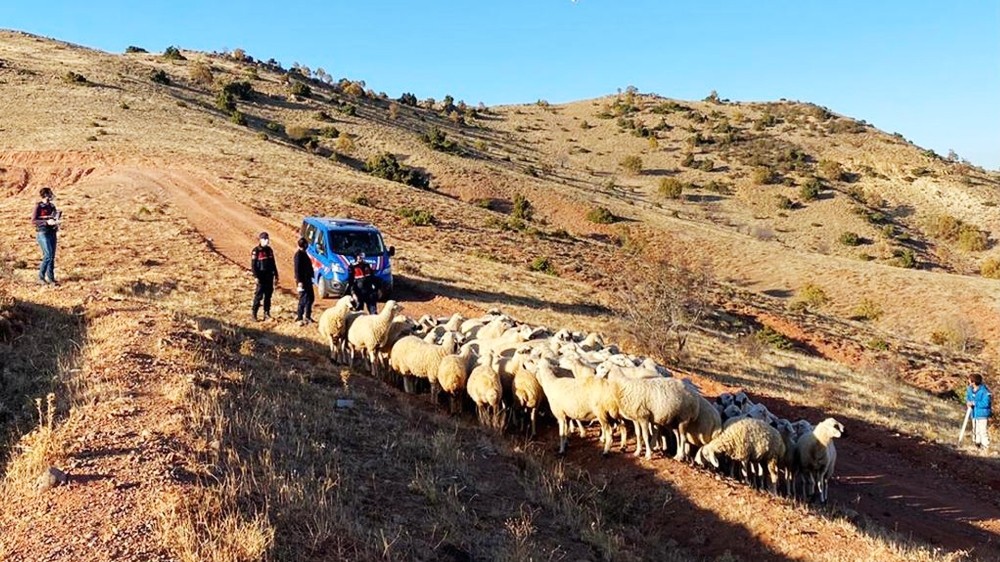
<point>918,489</point>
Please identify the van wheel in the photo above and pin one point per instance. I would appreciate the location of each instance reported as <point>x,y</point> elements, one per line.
<point>321,288</point>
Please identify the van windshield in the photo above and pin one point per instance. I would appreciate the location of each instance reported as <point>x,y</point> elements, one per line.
<point>351,242</point>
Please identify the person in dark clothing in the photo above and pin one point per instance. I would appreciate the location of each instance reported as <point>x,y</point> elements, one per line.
<point>304,280</point>
<point>46,221</point>
<point>265,269</point>
<point>362,283</point>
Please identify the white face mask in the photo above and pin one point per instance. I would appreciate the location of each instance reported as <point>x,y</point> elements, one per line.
<point>264,241</point>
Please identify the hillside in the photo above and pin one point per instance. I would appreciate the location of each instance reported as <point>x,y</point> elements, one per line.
<point>171,402</point>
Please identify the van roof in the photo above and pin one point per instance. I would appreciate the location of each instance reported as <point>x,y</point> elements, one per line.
<point>334,222</point>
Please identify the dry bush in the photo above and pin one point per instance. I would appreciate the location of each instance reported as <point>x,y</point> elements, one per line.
<point>201,73</point>
<point>868,309</point>
<point>664,299</point>
<point>809,297</point>
<point>957,334</point>
<point>990,268</point>
<point>671,188</point>
<point>631,164</point>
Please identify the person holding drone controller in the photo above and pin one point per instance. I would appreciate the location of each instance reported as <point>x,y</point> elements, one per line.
<point>46,220</point>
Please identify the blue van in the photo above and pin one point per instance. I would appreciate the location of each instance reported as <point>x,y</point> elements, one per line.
<point>333,243</point>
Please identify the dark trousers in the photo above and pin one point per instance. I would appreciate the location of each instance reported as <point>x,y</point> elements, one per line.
<point>306,299</point>
<point>47,242</point>
<point>265,288</point>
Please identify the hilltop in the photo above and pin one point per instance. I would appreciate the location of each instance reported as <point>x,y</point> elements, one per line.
<point>850,274</point>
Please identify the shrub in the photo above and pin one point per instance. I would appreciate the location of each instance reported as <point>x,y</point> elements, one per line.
<point>386,166</point>
<point>543,265</point>
<point>362,200</point>
<point>241,89</point>
<point>75,78</point>
<point>225,101</point>
<point>173,53</point>
<point>671,188</point>
<point>416,217</point>
<point>878,344</point>
<point>810,189</point>
<point>990,268</point>
<point>299,134</point>
<point>905,258</point>
<point>868,309</point>
<point>330,132</point>
<point>601,215</point>
<point>972,239</point>
<point>355,90</point>
<point>348,109</point>
<point>299,89</point>
<point>438,140</point>
<point>238,118</point>
<point>160,77</point>
<point>201,73</point>
<point>765,176</point>
<point>706,165</point>
<point>522,208</point>
<point>771,337</point>
<point>408,99</point>
<point>849,238</point>
<point>688,161</point>
<point>812,296</point>
<point>631,164</point>
<point>345,144</point>
<point>831,170</point>
<point>134,49</point>
<point>784,202</point>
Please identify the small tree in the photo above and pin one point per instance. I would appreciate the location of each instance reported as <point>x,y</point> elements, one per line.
<point>601,215</point>
<point>201,73</point>
<point>160,77</point>
<point>300,89</point>
<point>665,299</point>
<point>631,164</point>
<point>522,208</point>
<point>810,189</point>
<point>831,170</point>
<point>173,53</point>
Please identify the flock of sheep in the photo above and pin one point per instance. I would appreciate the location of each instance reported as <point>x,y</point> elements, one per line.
<point>511,370</point>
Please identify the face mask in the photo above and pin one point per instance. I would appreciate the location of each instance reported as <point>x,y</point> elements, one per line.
<point>264,241</point>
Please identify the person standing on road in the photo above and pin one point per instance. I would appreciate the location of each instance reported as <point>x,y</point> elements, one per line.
<point>979,399</point>
<point>265,269</point>
<point>304,280</point>
<point>361,282</point>
<point>46,221</point>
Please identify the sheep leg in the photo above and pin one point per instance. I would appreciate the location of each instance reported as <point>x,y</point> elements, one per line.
<point>638,439</point>
<point>533,410</point>
<point>606,436</point>
<point>563,435</point>
<point>679,434</point>
<point>646,430</point>
<point>623,435</point>
<point>772,469</point>
<point>408,384</point>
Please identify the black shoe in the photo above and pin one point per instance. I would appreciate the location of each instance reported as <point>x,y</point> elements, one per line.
<point>267,316</point>
<point>254,316</point>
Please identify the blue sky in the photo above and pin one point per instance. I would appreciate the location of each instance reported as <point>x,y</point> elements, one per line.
<point>929,70</point>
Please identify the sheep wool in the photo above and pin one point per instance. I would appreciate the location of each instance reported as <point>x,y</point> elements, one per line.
<point>369,331</point>
<point>747,441</point>
<point>333,328</point>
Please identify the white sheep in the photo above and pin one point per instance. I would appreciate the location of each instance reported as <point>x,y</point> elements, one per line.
<point>486,391</point>
<point>333,328</point>
<point>413,357</point>
<point>816,455</point>
<point>706,427</point>
<point>453,373</point>
<point>454,323</point>
<point>400,326</point>
<point>368,331</point>
<point>577,399</point>
<point>750,442</point>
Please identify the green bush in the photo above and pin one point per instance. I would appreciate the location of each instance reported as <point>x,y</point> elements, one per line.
<point>416,217</point>
<point>225,101</point>
<point>706,165</point>
<point>878,344</point>
<point>601,215</point>
<point>438,140</point>
<point>543,265</point>
<point>330,132</point>
<point>812,296</point>
<point>971,239</point>
<point>831,170</point>
<point>386,166</point>
<point>362,200</point>
<point>688,161</point>
<point>784,202</point>
<point>160,77</point>
<point>522,208</point>
<point>810,189</point>
<point>274,127</point>
<point>408,99</point>
<point>241,89</point>
<point>905,258</point>
<point>631,164</point>
<point>238,118</point>
<point>671,188</point>
<point>765,176</point>
<point>299,89</point>
<point>769,336</point>
<point>173,53</point>
<point>868,309</point>
<point>134,49</point>
<point>850,239</point>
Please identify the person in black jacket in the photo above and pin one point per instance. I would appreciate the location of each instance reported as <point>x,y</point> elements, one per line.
<point>304,280</point>
<point>265,269</point>
<point>361,281</point>
<point>46,221</point>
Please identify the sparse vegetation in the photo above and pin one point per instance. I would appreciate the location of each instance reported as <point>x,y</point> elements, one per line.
<point>601,215</point>
<point>542,265</point>
<point>133,49</point>
<point>201,73</point>
<point>990,268</point>
<point>968,237</point>
<point>173,53</point>
<point>810,189</point>
<point>765,176</point>
<point>905,258</point>
<point>160,77</point>
<point>75,78</point>
<point>240,89</point>
<point>810,297</point>
<point>671,188</point>
<point>868,309</point>
<point>299,89</point>
<point>849,238</point>
<point>831,170</point>
<point>386,166</point>
<point>522,209</point>
<point>438,140</point>
<point>416,217</point>
<point>631,164</point>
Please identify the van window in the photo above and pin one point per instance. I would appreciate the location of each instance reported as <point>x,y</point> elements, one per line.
<point>350,242</point>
